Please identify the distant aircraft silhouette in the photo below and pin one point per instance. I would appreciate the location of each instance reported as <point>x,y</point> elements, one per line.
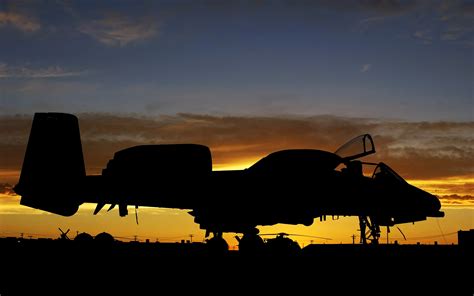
<point>289,186</point>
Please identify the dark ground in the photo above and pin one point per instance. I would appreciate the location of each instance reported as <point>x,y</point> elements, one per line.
<point>45,267</point>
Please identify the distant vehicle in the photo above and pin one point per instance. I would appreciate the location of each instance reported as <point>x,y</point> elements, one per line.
<point>289,186</point>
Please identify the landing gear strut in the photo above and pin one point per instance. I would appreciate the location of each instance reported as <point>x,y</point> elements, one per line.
<point>373,234</point>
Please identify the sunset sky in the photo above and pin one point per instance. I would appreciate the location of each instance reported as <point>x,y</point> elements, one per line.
<point>245,78</point>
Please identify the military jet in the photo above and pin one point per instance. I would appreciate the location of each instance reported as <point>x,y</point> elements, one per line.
<point>290,186</point>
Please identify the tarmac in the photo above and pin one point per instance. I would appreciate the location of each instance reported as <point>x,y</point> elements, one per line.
<point>43,267</point>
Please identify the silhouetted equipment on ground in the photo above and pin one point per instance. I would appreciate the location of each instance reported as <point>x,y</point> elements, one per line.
<point>289,186</point>
<point>83,237</point>
<point>282,244</point>
<point>332,268</point>
<point>284,234</point>
<point>63,235</point>
<point>466,239</point>
<point>104,237</point>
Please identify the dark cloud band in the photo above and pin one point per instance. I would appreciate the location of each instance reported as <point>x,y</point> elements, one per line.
<point>417,150</point>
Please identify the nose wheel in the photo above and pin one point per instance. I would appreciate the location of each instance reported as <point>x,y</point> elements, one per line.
<point>373,232</point>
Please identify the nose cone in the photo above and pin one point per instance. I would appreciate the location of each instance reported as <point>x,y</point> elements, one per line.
<point>433,201</point>
<point>435,205</point>
<point>429,202</point>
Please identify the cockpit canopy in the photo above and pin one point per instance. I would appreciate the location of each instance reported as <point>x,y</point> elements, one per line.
<point>358,147</point>
<point>311,161</point>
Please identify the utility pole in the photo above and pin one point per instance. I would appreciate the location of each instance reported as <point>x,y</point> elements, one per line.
<point>353,239</point>
<point>388,231</point>
<point>191,237</point>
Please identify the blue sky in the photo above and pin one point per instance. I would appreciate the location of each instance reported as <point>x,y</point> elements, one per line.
<point>410,60</point>
<point>245,78</point>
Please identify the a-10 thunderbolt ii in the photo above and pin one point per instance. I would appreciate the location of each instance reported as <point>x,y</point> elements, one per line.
<point>292,186</point>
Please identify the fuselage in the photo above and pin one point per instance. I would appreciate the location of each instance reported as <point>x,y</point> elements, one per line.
<point>235,200</point>
<point>288,186</point>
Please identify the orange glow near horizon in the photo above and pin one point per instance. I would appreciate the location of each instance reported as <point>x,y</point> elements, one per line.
<point>164,102</point>
<point>169,225</point>
<point>174,225</point>
<point>238,165</point>
<point>463,185</point>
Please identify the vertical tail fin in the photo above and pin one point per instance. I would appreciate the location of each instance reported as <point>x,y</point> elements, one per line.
<point>53,168</point>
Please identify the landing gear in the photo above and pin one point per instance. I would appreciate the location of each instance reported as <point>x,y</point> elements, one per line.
<point>373,234</point>
<point>251,242</point>
<point>217,244</point>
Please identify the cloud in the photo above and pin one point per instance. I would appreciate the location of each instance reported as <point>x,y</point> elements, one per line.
<point>461,10</point>
<point>120,30</point>
<point>373,19</point>
<point>417,150</point>
<point>456,200</point>
<point>424,35</point>
<point>435,156</point>
<point>7,71</point>
<point>7,189</point>
<point>448,21</point>
<point>380,7</point>
<point>19,21</point>
<point>456,21</point>
<point>451,191</point>
<point>455,32</point>
<point>10,205</point>
<point>365,68</point>
<point>388,7</point>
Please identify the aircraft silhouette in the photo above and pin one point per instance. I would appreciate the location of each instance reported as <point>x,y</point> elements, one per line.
<point>289,186</point>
